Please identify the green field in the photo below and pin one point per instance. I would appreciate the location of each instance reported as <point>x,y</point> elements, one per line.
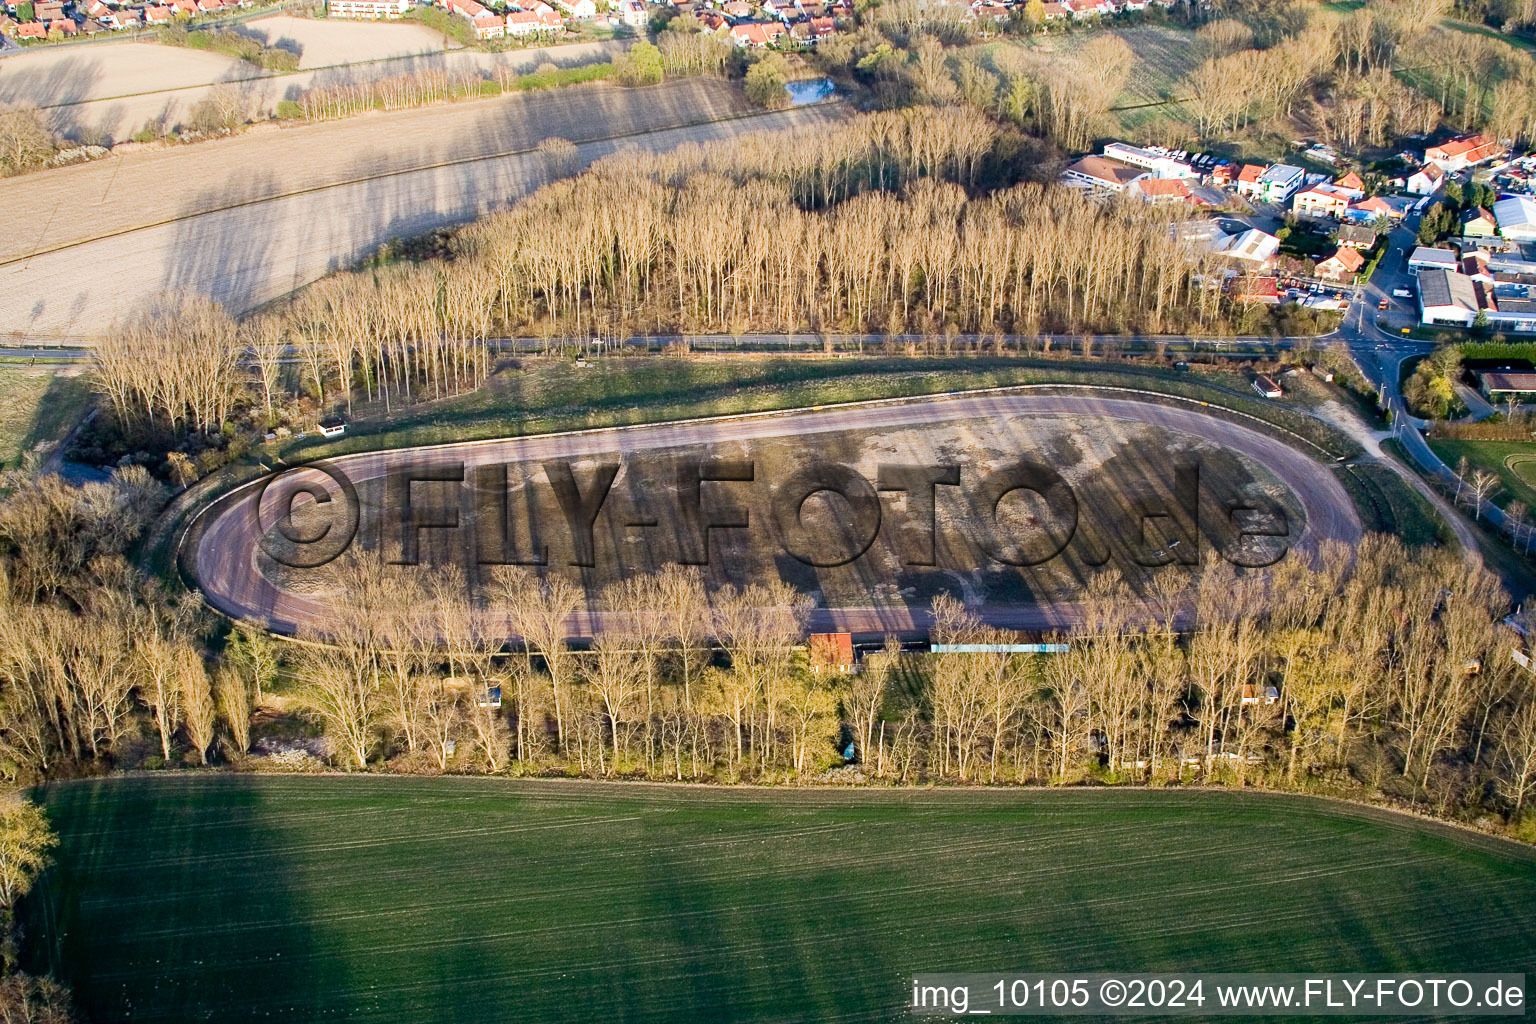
<point>232,898</point>
<point>1509,460</point>
<point>37,404</point>
<point>546,395</point>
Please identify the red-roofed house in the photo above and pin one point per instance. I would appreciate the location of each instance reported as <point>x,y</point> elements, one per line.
<point>62,27</point>
<point>1342,266</point>
<point>1161,190</point>
<point>1262,290</point>
<point>1467,151</point>
<point>532,23</point>
<point>1322,201</point>
<point>757,33</point>
<point>157,15</point>
<point>1248,180</point>
<point>1351,183</point>
<point>1426,181</point>
<point>1056,12</point>
<point>831,653</point>
<point>1374,207</point>
<point>31,30</point>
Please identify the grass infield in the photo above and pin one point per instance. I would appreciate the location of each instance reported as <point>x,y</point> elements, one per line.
<point>235,898</point>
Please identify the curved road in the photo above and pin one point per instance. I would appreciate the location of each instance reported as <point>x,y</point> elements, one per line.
<point>223,541</point>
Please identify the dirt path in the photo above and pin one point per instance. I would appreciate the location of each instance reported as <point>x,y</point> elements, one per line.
<point>224,545</point>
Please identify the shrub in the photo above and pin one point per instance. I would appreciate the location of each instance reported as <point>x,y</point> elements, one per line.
<point>765,83</point>
<point>641,65</point>
<point>279,60</point>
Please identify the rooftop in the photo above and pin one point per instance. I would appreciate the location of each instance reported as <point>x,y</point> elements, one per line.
<point>1438,288</point>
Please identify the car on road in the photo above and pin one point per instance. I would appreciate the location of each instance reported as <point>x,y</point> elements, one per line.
<point>1383,304</point>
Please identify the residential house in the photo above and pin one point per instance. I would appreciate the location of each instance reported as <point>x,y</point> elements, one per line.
<point>1447,298</point>
<point>1248,180</point>
<point>1280,182</point>
<point>157,15</point>
<point>1099,173</point>
<point>1357,236</point>
<point>633,14</point>
<point>31,30</point>
<point>1366,211</point>
<point>1253,693</point>
<point>521,24</point>
<point>581,9</point>
<point>1467,151</point>
<point>1342,266</point>
<point>757,33</point>
<point>1516,218</point>
<point>388,10</point>
<point>1056,12</point>
<point>1478,223</point>
<point>1426,181</point>
<point>1322,201</point>
<point>62,27</point>
<point>1352,184</point>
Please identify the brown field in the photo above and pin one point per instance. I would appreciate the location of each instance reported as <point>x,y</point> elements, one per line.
<point>249,219</point>
<point>321,42</point>
<point>106,93</point>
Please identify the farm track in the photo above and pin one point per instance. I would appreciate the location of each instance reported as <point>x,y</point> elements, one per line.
<point>223,543</point>
<point>274,211</point>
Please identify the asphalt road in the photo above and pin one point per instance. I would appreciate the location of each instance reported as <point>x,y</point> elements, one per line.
<point>223,542</point>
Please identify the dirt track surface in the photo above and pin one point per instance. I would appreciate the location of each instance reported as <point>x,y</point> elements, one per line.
<point>105,93</point>
<point>224,551</point>
<point>248,220</point>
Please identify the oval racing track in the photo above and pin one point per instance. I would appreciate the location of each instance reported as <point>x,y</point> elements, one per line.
<point>220,547</point>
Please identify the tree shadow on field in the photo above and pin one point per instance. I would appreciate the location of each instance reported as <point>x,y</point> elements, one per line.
<point>54,88</point>
<point>172,899</point>
<point>63,401</point>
